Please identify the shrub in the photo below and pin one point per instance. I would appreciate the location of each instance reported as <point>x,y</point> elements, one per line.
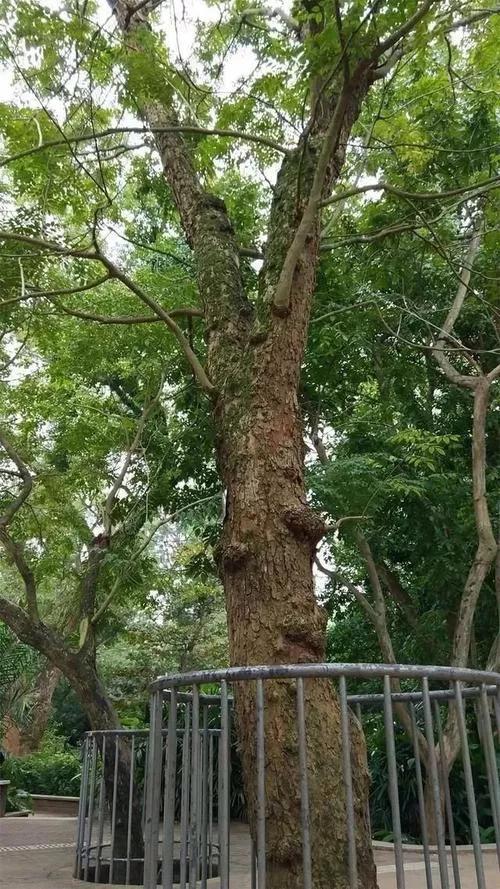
<point>18,801</point>
<point>48,773</point>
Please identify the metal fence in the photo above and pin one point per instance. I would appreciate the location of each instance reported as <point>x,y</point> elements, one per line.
<point>439,823</point>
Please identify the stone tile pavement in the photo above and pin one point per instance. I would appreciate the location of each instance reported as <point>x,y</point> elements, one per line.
<point>37,853</point>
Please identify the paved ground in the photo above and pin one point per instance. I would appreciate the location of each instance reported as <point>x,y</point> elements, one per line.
<point>37,853</point>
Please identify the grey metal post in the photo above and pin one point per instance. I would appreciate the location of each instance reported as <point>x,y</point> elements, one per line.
<point>469,786</point>
<point>434,778</point>
<point>113,813</point>
<point>496,704</point>
<point>491,765</point>
<point>261,786</point>
<point>185,782</point>
<point>210,805</point>
<point>204,800</point>
<point>447,797</point>
<point>421,799</point>
<point>82,808</point>
<point>152,815</point>
<point>130,809</point>
<point>194,821</point>
<point>223,817</point>
<point>90,819</point>
<point>393,784</point>
<point>349,799</point>
<point>169,799</point>
<point>304,787</point>
<point>100,817</point>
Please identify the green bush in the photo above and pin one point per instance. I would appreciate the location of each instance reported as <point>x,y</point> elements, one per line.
<point>18,801</point>
<point>48,773</point>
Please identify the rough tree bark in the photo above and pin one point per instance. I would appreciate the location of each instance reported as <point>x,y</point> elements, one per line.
<point>31,734</point>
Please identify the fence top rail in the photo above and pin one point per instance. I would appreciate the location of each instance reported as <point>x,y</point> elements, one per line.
<point>141,734</point>
<point>415,697</point>
<point>326,671</point>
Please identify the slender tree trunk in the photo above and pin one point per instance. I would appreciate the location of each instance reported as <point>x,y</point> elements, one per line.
<point>94,699</point>
<point>31,735</point>
<point>80,670</point>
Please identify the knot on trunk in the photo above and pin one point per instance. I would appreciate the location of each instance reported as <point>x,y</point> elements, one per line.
<point>304,639</point>
<point>231,556</point>
<point>305,524</point>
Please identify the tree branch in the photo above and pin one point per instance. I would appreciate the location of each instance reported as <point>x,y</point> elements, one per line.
<point>115,272</point>
<point>487,545</point>
<point>405,29</point>
<point>493,181</point>
<point>398,594</point>
<point>126,319</point>
<point>24,474</point>
<point>438,349</point>
<point>272,12</point>
<point>110,499</point>
<point>477,16</point>
<point>281,297</point>
<point>175,128</point>
<point>47,294</point>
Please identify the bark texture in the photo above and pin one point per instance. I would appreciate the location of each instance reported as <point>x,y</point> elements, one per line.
<point>31,735</point>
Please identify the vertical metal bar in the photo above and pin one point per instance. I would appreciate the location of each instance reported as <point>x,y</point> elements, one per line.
<point>469,787</point>
<point>204,800</point>
<point>169,798</point>
<point>434,779</point>
<point>199,796</point>
<point>223,818</point>
<point>496,701</point>
<point>100,817</point>
<point>185,775</point>
<point>261,785</point>
<point>153,791</point>
<point>82,809</point>
<point>229,773</point>
<point>359,714</point>
<point>393,784</point>
<point>349,799</point>
<point>304,787</point>
<point>88,841</point>
<point>130,809</point>
<point>145,786</point>
<point>447,798</point>
<point>113,813</point>
<point>210,805</point>
<point>195,762</point>
<point>421,799</point>
<point>253,867</point>
<point>491,765</point>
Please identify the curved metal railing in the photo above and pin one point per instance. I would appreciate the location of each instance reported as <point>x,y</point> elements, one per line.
<point>185,772</point>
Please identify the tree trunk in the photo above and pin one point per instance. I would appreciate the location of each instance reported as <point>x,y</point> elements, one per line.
<point>92,695</point>
<point>266,554</point>
<point>255,352</point>
<point>80,670</point>
<point>31,735</point>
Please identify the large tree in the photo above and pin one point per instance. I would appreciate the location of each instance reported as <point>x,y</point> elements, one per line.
<point>324,68</point>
